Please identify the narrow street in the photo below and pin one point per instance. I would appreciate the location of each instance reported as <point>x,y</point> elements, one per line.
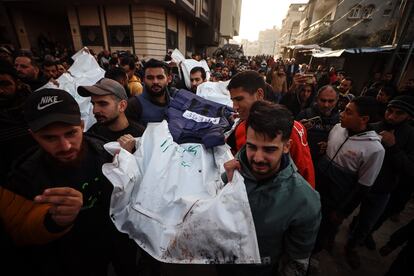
<point>372,262</point>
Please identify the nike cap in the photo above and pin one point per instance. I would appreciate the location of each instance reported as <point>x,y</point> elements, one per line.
<point>48,106</point>
<point>104,87</point>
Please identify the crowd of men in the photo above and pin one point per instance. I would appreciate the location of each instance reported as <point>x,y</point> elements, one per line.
<point>310,148</point>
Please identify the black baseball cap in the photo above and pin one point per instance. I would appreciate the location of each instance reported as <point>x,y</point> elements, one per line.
<point>103,87</point>
<point>48,106</point>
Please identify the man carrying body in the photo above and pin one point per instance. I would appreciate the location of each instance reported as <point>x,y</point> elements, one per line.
<point>109,101</point>
<point>68,158</point>
<point>152,104</point>
<point>286,211</point>
<point>245,89</point>
<point>197,77</point>
<point>319,128</point>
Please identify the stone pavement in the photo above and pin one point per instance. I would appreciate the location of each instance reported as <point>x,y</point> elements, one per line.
<point>372,264</point>
<point>371,261</point>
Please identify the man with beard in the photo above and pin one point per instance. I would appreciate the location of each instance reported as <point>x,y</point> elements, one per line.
<point>14,136</point>
<point>245,89</point>
<point>29,72</point>
<point>152,104</point>
<point>345,95</point>
<point>285,209</point>
<point>319,119</point>
<point>68,158</point>
<point>109,101</point>
<point>50,70</point>
<point>397,139</point>
<point>197,76</point>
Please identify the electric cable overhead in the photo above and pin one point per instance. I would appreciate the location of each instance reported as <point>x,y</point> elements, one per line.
<point>355,24</point>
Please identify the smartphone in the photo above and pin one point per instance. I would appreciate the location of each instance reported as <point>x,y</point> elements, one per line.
<point>313,120</point>
<point>309,78</point>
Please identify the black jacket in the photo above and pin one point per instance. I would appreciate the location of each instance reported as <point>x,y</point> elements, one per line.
<point>15,138</point>
<point>93,241</point>
<point>319,132</point>
<point>399,159</point>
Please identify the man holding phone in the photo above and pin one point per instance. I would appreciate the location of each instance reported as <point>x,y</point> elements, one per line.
<point>319,119</point>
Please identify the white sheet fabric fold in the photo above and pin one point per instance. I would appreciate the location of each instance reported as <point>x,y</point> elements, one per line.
<point>84,71</point>
<point>170,199</point>
<point>216,92</point>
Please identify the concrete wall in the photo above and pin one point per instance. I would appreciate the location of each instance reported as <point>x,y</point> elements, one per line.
<point>366,27</point>
<point>147,23</point>
<point>182,33</point>
<point>91,16</point>
<point>74,28</point>
<point>21,31</point>
<point>118,15</point>
<point>149,31</point>
<point>230,18</point>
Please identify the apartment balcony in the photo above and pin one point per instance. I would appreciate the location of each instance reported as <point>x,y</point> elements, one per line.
<point>319,27</point>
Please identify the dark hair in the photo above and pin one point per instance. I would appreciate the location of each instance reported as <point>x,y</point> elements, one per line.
<point>270,95</point>
<point>116,74</point>
<point>199,69</point>
<point>389,90</point>
<point>249,80</point>
<point>349,79</point>
<point>323,88</point>
<point>128,61</point>
<point>366,106</point>
<point>7,69</point>
<point>48,63</point>
<point>270,120</point>
<point>218,64</point>
<point>29,55</point>
<point>154,63</point>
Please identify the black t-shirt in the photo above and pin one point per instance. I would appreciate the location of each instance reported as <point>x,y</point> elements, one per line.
<point>134,129</point>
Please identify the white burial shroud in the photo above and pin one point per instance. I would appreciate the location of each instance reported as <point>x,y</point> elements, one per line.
<point>84,71</point>
<point>171,200</point>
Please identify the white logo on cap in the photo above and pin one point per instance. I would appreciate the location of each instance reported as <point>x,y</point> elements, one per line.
<point>47,101</point>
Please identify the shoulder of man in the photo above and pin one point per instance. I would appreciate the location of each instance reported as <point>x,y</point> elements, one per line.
<point>298,188</point>
<point>134,108</point>
<point>96,143</point>
<point>26,173</point>
<point>306,114</point>
<point>137,127</point>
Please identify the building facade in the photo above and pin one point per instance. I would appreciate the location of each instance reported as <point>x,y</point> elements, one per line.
<point>250,48</point>
<point>229,20</point>
<point>290,24</point>
<point>269,41</point>
<point>349,23</point>
<point>148,28</point>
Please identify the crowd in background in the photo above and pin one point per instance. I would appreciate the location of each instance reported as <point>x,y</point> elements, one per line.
<point>319,98</point>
